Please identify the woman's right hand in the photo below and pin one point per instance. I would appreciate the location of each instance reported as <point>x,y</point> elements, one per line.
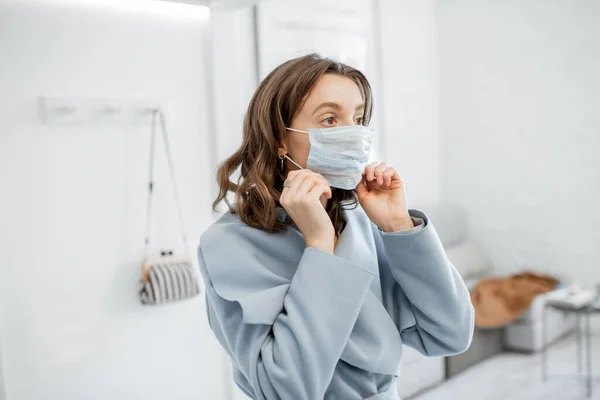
<point>302,201</point>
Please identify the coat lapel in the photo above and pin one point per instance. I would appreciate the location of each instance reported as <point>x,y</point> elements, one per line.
<point>375,344</point>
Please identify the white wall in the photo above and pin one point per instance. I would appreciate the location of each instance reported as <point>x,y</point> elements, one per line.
<point>234,74</point>
<point>409,81</point>
<point>520,91</point>
<point>73,201</point>
<point>2,386</point>
<point>234,81</point>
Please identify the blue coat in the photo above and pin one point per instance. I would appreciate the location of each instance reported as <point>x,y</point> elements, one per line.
<point>301,324</point>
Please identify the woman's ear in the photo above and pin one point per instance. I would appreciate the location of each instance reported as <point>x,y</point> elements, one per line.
<point>283,148</point>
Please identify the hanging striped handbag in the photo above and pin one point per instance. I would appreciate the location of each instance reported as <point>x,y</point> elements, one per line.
<point>166,277</point>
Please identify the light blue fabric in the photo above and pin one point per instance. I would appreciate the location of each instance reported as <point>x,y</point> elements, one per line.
<point>302,324</point>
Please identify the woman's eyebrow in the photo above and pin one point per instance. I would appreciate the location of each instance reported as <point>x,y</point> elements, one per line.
<point>360,107</point>
<point>327,104</point>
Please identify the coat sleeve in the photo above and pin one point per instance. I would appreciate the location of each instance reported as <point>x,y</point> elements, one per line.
<point>284,337</point>
<point>423,292</point>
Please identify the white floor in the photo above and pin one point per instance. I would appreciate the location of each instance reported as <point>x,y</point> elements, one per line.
<point>511,376</point>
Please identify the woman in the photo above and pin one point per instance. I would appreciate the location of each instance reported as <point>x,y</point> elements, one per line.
<point>312,297</point>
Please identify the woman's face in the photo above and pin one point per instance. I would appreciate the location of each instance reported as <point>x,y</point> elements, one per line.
<point>334,101</point>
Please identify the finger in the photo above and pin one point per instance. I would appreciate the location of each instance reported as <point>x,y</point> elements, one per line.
<point>291,176</point>
<point>379,172</point>
<point>299,177</point>
<point>393,176</point>
<point>284,197</point>
<point>370,171</point>
<point>318,190</point>
<point>296,175</point>
<point>321,179</point>
<point>361,190</point>
<point>388,175</point>
<point>326,191</point>
<point>297,181</point>
<point>308,182</point>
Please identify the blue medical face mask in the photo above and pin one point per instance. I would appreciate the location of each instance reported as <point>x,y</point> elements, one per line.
<point>340,154</point>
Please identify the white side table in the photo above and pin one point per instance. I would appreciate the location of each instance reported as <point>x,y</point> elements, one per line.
<point>581,311</point>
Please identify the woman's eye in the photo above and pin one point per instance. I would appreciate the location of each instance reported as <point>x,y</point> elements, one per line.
<point>329,121</point>
<point>359,121</point>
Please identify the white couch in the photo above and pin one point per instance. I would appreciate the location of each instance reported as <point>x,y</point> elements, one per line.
<point>526,333</point>
<point>473,264</point>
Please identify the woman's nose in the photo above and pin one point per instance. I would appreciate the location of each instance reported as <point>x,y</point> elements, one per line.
<point>349,121</point>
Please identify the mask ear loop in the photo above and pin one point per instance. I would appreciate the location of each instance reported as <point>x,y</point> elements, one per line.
<point>283,156</point>
<point>297,130</point>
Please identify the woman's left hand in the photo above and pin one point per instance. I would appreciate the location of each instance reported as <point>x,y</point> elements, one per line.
<point>382,196</point>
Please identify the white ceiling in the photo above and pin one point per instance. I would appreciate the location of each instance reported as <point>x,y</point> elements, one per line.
<point>218,4</point>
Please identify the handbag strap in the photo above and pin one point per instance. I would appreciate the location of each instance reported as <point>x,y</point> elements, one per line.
<point>158,115</point>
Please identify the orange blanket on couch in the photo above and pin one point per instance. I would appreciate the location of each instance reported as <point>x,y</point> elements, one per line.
<point>499,301</point>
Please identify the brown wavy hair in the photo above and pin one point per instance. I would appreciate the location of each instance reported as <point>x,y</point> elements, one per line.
<point>275,104</point>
